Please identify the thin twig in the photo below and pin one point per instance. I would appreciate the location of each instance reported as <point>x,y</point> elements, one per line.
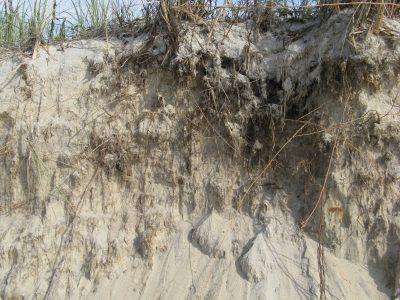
<point>321,193</point>
<point>269,164</point>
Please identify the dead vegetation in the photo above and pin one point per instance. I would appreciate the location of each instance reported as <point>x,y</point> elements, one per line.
<point>260,121</point>
<point>29,26</point>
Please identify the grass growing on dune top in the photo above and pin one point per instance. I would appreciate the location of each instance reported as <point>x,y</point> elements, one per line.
<point>26,23</point>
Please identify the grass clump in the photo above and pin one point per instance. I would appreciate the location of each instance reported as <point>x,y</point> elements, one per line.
<point>22,21</point>
<point>89,15</point>
<point>13,25</point>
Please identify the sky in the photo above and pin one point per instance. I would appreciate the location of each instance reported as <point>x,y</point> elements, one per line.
<point>65,5</point>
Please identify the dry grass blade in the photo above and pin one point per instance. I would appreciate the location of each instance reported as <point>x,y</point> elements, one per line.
<point>268,165</point>
<point>321,231</point>
<point>379,17</point>
<point>169,18</point>
<point>321,193</point>
<point>236,151</point>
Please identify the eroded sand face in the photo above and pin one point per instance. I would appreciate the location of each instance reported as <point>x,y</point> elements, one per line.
<point>124,179</point>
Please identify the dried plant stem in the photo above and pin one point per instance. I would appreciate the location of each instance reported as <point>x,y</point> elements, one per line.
<point>268,165</point>
<point>334,4</point>
<point>337,7</point>
<point>320,203</point>
<point>321,255</point>
<point>379,16</point>
<point>321,193</point>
